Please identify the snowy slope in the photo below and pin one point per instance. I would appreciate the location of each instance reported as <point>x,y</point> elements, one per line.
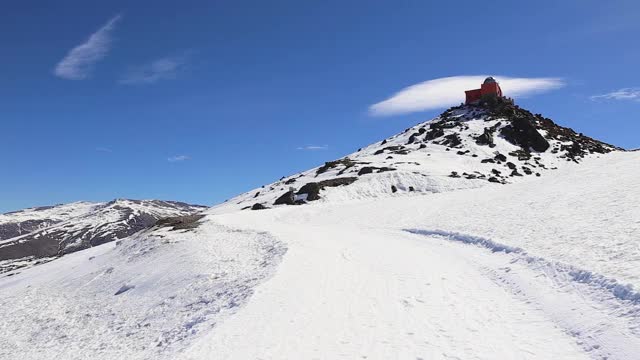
<point>465,147</point>
<point>47,233</point>
<point>145,297</point>
<point>541,269</point>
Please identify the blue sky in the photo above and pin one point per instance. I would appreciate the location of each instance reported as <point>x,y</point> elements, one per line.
<point>199,100</point>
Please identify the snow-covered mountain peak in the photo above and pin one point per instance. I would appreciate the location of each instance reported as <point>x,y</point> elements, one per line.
<point>465,147</point>
<point>39,234</point>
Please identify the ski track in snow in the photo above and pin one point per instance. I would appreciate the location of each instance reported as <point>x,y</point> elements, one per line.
<point>603,315</point>
<point>620,291</point>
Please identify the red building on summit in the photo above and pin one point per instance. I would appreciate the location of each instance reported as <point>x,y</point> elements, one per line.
<point>489,87</point>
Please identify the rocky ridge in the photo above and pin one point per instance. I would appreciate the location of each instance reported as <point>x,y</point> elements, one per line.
<point>466,146</point>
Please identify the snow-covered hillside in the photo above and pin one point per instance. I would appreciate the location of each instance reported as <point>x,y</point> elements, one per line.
<point>37,235</point>
<point>438,243</point>
<point>465,147</point>
<point>542,269</point>
<point>547,268</point>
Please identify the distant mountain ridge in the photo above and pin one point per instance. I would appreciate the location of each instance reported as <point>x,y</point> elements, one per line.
<point>21,222</point>
<point>34,234</point>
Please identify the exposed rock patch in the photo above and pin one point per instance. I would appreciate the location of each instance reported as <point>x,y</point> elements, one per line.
<point>523,133</point>
<point>346,162</point>
<point>372,169</point>
<point>180,222</point>
<point>312,189</point>
<point>287,198</point>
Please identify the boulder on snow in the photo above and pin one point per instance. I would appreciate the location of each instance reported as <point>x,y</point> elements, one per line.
<point>370,169</point>
<point>434,134</point>
<point>346,162</point>
<point>180,222</point>
<point>337,182</point>
<point>258,206</point>
<point>500,157</point>
<point>312,189</point>
<point>287,198</point>
<point>365,170</point>
<point>452,140</point>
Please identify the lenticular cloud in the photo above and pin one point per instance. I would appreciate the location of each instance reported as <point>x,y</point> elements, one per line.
<point>443,92</point>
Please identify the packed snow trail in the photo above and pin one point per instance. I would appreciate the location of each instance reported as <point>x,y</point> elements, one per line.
<point>352,293</point>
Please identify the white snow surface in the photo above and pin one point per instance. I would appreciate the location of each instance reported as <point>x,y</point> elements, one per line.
<point>545,268</point>
<point>143,297</point>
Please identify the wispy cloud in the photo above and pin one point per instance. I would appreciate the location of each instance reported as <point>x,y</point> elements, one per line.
<point>80,61</point>
<point>443,92</point>
<point>160,69</point>
<point>178,158</point>
<point>104,149</point>
<point>313,147</point>
<point>621,94</point>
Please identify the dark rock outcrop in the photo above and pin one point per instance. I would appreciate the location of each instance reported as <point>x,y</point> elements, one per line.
<point>180,222</point>
<point>452,140</point>
<point>312,189</point>
<point>370,169</point>
<point>258,206</point>
<point>523,133</point>
<point>346,162</point>
<point>434,134</point>
<point>287,198</point>
<point>486,138</point>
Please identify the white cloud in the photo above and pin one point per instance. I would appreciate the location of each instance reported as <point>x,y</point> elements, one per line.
<point>448,91</point>
<point>80,60</point>
<point>160,69</point>
<point>104,149</point>
<point>314,147</point>
<point>178,158</point>
<point>621,94</point>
